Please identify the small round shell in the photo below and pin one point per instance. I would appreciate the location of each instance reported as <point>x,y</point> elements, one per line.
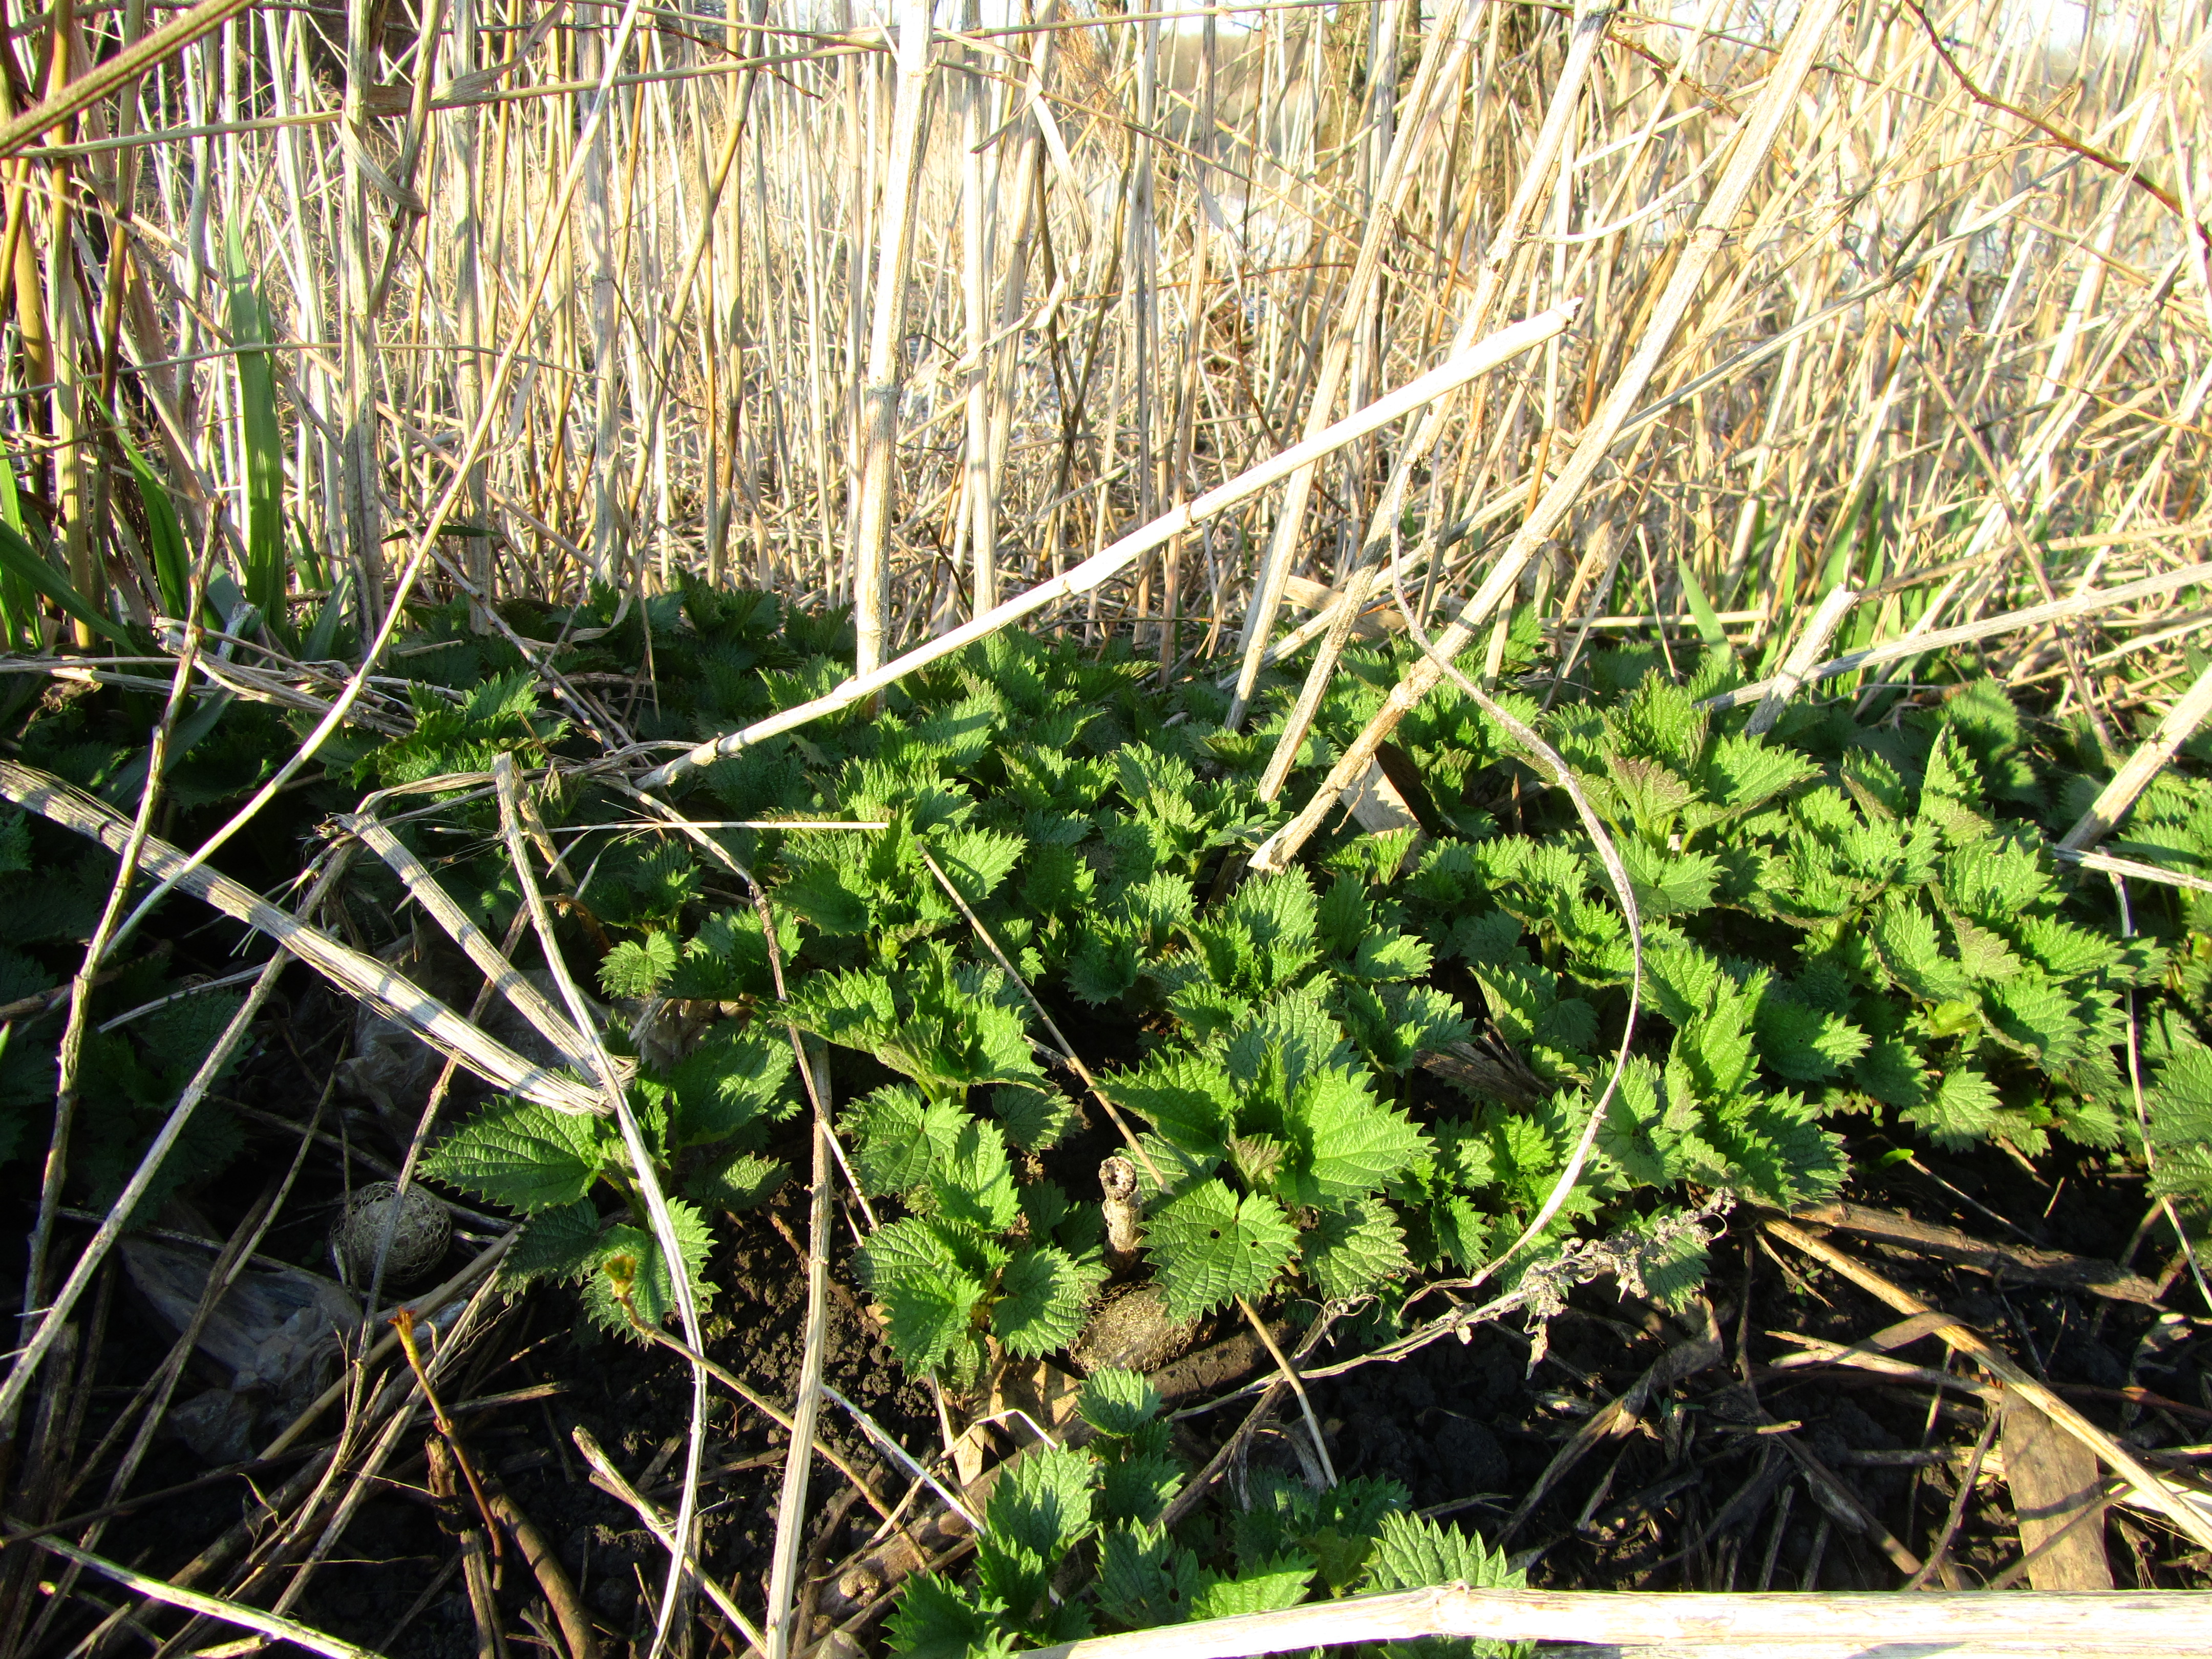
<point>418,1243</point>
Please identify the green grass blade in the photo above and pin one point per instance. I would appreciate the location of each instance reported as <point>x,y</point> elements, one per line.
<point>1701,608</point>
<point>19,559</point>
<point>165,530</point>
<point>19,601</point>
<point>251,328</point>
<point>325,632</point>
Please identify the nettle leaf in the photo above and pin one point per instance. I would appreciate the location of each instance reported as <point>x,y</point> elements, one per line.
<point>1997,881</point>
<point>638,968</point>
<point>1389,956</point>
<point>526,1156</point>
<point>2066,951</point>
<point>852,1008</point>
<point>1292,1036</point>
<point>1394,1024</point>
<point>1348,1144</point>
<point>1104,964</point>
<point>1412,1552</point>
<point>1342,916</point>
<point>561,1244</point>
<point>1351,1251</point>
<point>1190,1098</point>
<point>1635,1134</point>
<point>1279,1583</point>
<point>1210,1247</point>
<point>736,1076</point>
<point>975,861</point>
<point>1802,1043</point>
<point>1905,943</point>
<point>833,897</point>
<point>1118,1403</point>
<point>1144,1580</point>
<point>1981,953</point>
<point>727,958</point>
<point>1139,1488</point>
<point>1264,937</point>
<point>1459,1233</point>
<point>912,1272</point>
<point>934,1620</point>
<point>737,1181</point>
<point>896,1136</point>
<point>1043,1502</point>
<point>969,1180</point>
<point>1964,1109</point>
<point>1043,1296</point>
<point>635,1255</point>
<point>1032,1117</point>
<point>1669,883</point>
<point>2181,1096</point>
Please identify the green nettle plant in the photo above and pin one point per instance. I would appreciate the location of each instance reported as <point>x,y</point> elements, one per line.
<point>1071,1541</point>
<point>704,1121</point>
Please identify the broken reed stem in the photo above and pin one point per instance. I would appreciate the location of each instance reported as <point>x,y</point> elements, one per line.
<point>2120,1623</point>
<point>390,993</point>
<point>673,1263</point>
<point>798,1467</point>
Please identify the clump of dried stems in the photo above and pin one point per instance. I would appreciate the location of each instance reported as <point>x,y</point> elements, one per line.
<point>915,311</point>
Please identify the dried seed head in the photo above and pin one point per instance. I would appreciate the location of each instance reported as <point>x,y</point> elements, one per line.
<point>418,1241</point>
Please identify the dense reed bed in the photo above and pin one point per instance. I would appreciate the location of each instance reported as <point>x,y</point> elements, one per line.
<point>866,308</point>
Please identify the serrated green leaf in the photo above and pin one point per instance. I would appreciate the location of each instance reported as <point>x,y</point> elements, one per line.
<point>1281,1583</point>
<point>652,1285</point>
<point>735,1078</point>
<point>1412,1552</point>
<point>559,1244</point>
<point>930,1301</point>
<point>895,1137</point>
<point>526,1156</point>
<point>1144,1580</point>
<point>1139,1488</point>
<point>1043,1501</point>
<point>971,1182</point>
<point>1043,1297</point>
<point>1118,1403</point>
<point>1352,1251</point>
<point>736,1181</point>
<point>934,1620</point>
<point>1210,1247</point>
<point>1033,1117</point>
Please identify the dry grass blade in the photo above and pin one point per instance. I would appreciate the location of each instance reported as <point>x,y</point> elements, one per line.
<point>423,887</point>
<point>675,1262</point>
<point>2175,1507</point>
<point>791,1508</point>
<point>86,90</point>
<point>657,1524</point>
<point>2009,622</point>
<point>2112,802</point>
<point>1761,127</point>
<point>57,1311</point>
<point>391,995</point>
<point>209,1606</point>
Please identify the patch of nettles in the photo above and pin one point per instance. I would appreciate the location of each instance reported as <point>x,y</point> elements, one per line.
<point>1854,922</point>
<point>1076,1536</point>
